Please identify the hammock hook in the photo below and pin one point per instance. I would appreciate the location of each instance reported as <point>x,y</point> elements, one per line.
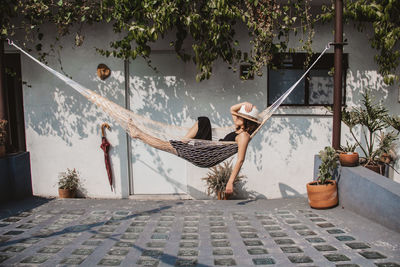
<point>335,44</point>
<point>104,125</point>
<point>10,42</point>
<point>328,45</point>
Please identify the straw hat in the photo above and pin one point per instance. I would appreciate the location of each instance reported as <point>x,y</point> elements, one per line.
<point>252,115</point>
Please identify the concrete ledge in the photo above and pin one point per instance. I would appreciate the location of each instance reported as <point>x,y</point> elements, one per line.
<point>371,195</point>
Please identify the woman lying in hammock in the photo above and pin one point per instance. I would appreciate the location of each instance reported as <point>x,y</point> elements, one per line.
<point>245,119</point>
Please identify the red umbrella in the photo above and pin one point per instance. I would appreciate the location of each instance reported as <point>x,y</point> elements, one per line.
<point>105,145</point>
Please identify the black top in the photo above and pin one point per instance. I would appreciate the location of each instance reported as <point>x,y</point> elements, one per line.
<point>204,131</point>
<point>229,137</point>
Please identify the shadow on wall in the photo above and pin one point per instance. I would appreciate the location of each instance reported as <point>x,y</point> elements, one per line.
<point>167,97</point>
<point>194,192</point>
<point>243,193</point>
<point>64,112</point>
<point>56,109</point>
<point>288,192</point>
<point>298,129</point>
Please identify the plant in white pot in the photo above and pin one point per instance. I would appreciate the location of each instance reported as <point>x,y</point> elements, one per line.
<point>68,183</point>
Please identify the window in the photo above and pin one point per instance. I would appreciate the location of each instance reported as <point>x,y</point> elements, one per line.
<point>315,90</point>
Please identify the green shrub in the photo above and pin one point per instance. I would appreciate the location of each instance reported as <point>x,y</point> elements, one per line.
<point>329,162</point>
<point>69,180</point>
<point>218,177</point>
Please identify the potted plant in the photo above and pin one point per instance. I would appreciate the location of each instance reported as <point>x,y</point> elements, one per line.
<point>218,177</point>
<point>375,137</point>
<point>347,155</point>
<point>3,137</point>
<point>323,192</point>
<point>68,183</point>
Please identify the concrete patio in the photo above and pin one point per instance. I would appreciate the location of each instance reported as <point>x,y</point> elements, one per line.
<point>90,232</point>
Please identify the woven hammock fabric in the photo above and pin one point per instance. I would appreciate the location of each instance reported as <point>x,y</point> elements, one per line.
<point>204,156</point>
<point>202,153</point>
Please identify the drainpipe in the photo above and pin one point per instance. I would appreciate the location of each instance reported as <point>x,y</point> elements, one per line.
<point>337,83</point>
<point>128,139</point>
<point>2,83</point>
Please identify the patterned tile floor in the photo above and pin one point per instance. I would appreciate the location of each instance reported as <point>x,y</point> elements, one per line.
<point>190,233</point>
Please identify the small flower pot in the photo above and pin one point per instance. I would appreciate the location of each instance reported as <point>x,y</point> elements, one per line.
<point>66,193</point>
<point>221,195</point>
<point>322,196</point>
<point>349,159</point>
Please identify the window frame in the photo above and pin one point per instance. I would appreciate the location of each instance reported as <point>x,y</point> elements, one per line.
<point>297,63</point>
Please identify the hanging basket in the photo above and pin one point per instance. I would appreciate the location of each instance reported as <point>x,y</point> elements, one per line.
<point>322,196</point>
<point>349,159</point>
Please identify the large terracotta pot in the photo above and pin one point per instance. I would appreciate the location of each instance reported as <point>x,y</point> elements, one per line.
<point>66,193</point>
<point>2,150</point>
<point>375,168</point>
<point>349,159</point>
<point>322,196</point>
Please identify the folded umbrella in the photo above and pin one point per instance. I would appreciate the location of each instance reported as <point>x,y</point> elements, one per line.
<point>105,146</point>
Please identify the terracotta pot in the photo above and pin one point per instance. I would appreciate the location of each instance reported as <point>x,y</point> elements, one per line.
<point>2,150</point>
<point>66,193</point>
<point>322,196</point>
<point>349,159</point>
<point>375,168</point>
<point>221,195</point>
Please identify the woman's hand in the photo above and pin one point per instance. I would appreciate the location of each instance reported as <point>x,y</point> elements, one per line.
<point>229,188</point>
<point>248,106</point>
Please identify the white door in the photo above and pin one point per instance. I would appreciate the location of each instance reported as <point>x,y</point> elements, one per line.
<point>156,95</point>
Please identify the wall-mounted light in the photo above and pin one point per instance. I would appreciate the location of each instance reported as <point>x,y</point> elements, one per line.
<point>103,71</point>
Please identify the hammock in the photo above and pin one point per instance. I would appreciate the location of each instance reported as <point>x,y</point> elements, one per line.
<point>202,153</point>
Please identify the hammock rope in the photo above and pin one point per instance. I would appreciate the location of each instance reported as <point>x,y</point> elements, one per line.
<point>202,153</point>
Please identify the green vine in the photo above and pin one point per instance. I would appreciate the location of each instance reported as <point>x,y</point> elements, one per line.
<point>383,17</point>
<point>201,31</point>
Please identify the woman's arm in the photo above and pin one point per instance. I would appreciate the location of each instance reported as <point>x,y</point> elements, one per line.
<point>243,141</point>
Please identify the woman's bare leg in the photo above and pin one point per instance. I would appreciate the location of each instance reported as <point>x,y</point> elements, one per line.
<point>193,131</point>
<point>155,142</point>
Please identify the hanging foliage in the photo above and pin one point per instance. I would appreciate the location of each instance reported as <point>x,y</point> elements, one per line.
<point>383,17</point>
<point>202,31</point>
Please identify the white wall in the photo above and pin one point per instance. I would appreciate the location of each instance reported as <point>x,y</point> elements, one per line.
<point>62,127</point>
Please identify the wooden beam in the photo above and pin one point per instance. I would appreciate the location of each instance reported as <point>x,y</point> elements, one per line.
<point>338,75</point>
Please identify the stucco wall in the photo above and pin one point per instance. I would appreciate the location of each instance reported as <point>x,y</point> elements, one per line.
<point>62,127</point>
